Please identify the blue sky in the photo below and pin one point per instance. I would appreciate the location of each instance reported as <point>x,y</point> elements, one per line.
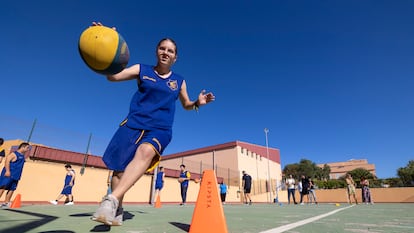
<point>331,80</point>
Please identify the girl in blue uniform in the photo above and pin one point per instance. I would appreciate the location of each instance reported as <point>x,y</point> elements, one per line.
<point>159,182</point>
<point>67,186</point>
<point>142,137</point>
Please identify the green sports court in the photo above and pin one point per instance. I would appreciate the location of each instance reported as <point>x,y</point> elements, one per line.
<point>266,218</point>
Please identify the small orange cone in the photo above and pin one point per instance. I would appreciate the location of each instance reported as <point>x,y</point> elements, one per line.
<point>16,202</point>
<point>208,215</point>
<point>158,202</point>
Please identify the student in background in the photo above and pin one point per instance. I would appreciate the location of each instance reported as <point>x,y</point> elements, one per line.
<point>247,186</point>
<point>184,180</point>
<point>67,187</point>
<point>159,182</point>
<point>350,188</point>
<point>366,192</point>
<point>312,193</point>
<point>290,183</point>
<point>2,150</point>
<point>223,192</point>
<point>12,172</point>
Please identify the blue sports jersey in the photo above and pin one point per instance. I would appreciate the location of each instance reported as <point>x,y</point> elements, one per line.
<point>16,167</point>
<point>159,181</point>
<point>223,188</point>
<point>153,105</point>
<point>185,174</point>
<point>68,178</point>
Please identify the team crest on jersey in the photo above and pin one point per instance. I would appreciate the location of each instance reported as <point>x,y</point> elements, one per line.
<point>172,84</point>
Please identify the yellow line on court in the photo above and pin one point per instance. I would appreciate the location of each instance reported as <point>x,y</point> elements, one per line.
<point>303,222</point>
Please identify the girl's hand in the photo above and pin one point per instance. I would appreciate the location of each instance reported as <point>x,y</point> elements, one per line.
<point>204,98</point>
<point>100,24</point>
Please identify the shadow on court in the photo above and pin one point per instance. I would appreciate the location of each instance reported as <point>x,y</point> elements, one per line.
<point>182,226</point>
<point>43,219</point>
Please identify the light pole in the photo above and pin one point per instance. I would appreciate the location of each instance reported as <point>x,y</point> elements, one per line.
<point>266,130</point>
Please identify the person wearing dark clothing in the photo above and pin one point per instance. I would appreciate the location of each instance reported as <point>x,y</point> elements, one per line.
<point>247,185</point>
<point>305,188</point>
<point>184,180</point>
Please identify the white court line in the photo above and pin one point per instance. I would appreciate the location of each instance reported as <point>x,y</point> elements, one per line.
<point>302,222</point>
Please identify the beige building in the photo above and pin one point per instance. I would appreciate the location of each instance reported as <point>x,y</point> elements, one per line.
<point>339,169</point>
<point>229,160</point>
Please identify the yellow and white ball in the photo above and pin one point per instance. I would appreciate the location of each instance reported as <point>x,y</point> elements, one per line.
<point>103,50</point>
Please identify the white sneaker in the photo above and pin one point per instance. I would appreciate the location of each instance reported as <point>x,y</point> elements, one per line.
<point>106,211</point>
<point>5,205</point>
<point>119,217</point>
<point>54,202</point>
<point>70,203</point>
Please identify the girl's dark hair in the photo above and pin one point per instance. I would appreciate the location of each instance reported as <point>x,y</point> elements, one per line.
<point>175,44</point>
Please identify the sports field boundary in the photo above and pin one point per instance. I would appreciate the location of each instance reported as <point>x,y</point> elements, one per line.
<point>303,222</point>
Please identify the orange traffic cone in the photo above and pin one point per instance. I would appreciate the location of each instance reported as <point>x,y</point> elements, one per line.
<point>158,202</point>
<point>208,213</point>
<point>16,202</point>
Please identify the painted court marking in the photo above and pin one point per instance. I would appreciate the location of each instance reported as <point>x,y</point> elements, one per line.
<point>302,222</point>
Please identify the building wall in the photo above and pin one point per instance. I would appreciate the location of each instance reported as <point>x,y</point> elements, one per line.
<point>42,181</point>
<point>379,195</point>
<point>230,162</point>
<point>339,169</point>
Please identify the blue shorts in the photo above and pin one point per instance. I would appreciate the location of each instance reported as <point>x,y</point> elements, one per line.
<point>122,147</point>
<point>8,183</point>
<point>67,190</point>
<point>159,186</point>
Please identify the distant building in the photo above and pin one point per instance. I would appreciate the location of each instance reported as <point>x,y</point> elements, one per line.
<point>229,160</point>
<point>339,169</point>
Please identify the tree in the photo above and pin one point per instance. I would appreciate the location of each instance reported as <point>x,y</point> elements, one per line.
<point>323,173</point>
<point>358,173</point>
<point>307,168</point>
<point>291,169</point>
<point>392,182</point>
<point>304,167</point>
<point>406,174</point>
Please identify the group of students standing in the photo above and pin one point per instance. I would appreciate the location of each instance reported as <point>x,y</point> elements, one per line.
<point>305,186</point>
<point>366,192</point>
<point>183,179</point>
